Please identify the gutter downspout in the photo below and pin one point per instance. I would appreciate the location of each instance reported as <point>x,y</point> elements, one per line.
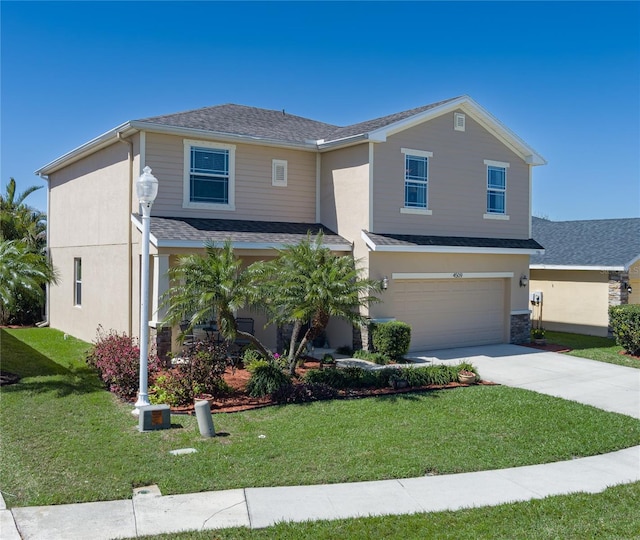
<point>129,236</point>
<point>45,177</point>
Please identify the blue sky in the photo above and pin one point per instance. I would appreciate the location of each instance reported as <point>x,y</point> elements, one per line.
<point>563,76</point>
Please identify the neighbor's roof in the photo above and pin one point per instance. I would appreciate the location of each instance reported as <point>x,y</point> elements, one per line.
<point>240,123</point>
<point>603,244</point>
<point>449,244</point>
<point>194,233</point>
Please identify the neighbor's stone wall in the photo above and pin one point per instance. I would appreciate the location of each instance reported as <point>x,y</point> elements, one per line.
<point>521,328</point>
<point>618,294</point>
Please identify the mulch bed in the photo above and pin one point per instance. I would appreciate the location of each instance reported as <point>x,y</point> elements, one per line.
<point>240,401</point>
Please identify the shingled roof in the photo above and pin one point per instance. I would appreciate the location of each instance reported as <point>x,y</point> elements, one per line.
<point>194,232</point>
<point>280,128</point>
<point>412,242</point>
<point>249,122</point>
<point>612,244</point>
<point>269,124</point>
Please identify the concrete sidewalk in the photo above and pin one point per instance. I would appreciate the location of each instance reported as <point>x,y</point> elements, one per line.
<point>607,386</point>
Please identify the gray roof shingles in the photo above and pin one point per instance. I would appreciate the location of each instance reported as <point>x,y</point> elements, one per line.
<point>275,125</point>
<point>599,243</point>
<point>408,240</point>
<point>175,229</point>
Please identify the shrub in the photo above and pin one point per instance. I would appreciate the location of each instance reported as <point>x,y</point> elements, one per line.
<point>391,339</point>
<point>350,377</point>
<point>116,357</point>
<point>625,324</point>
<point>266,378</point>
<point>303,393</point>
<point>201,372</point>
<point>376,357</point>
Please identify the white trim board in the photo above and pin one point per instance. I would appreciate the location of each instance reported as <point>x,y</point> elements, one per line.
<point>450,275</point>
<point>577,267</point>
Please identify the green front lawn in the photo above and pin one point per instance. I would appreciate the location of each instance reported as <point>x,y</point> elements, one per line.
<point>612,514</point>
<point>65,439</point>
<point>592,347</point>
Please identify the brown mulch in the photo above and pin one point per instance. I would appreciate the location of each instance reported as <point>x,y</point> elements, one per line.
<point>240,401</point>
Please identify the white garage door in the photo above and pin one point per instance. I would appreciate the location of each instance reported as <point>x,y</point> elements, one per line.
<point>452,313</point>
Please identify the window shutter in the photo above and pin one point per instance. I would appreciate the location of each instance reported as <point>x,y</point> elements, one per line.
<point>279,172</point>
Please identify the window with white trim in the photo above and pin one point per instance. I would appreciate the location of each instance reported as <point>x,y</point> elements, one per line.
<point>279,172</point>
<point>77,281</point>
<point>416,178</point>
<point>209,175</point>
<point>496,187</point>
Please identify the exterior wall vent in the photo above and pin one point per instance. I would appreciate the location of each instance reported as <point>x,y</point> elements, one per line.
<point>459,120</point>
<point>279,172</point>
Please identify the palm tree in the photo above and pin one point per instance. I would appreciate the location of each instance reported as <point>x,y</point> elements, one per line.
<point>309,284</point>
<point>22,276</point>
<point>18,221</point>
<point>215,282</point>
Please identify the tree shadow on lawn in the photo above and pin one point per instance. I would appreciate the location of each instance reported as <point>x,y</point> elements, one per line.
<point>39,373</point>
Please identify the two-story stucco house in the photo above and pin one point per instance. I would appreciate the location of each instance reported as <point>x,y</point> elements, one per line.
<point>435,201</point>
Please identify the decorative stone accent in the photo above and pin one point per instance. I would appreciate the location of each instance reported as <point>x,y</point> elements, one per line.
<point>161,337</point>
<point>618,294</point>
<point>362,337</point>
<point>521,328</point>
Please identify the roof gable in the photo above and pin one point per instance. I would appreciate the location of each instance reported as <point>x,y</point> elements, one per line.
<point>606,244</point>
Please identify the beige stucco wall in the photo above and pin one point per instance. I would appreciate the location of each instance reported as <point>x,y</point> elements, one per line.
<point>255,196</point>
<point>89,203</point>
<point>344,190</point>
<point>457,186</point>
<point>634,281</point>
<point>574,301</point>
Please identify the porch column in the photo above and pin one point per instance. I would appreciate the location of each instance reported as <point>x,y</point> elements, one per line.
<point>160,286</point>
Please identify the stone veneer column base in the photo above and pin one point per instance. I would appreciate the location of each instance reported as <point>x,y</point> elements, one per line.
<point>161,338</point>
<point>520,328</point>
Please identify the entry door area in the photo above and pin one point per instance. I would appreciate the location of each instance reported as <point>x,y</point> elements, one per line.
<point>445,313</point>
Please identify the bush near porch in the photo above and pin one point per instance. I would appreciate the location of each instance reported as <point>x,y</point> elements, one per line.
<point>625,325</point>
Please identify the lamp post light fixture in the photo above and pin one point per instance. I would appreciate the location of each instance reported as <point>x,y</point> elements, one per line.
<point>146,190</point>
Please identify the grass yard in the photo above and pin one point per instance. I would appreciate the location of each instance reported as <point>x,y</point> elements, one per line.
<point>592,347</point>
<point>65,439</point>
<point>612,514</point>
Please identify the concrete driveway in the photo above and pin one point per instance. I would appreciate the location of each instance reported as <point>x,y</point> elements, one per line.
<point>606,386</point>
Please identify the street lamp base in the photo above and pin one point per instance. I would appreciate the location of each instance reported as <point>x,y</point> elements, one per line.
<point>143,401</point>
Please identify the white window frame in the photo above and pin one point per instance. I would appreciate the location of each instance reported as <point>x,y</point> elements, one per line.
<point>489,163</point>
<point>186,187</point>
<point>420,210</point>
<point>278,178</point>
<point>77,281</point>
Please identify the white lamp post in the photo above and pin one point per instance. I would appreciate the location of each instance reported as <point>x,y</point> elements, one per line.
<point>147,190</point>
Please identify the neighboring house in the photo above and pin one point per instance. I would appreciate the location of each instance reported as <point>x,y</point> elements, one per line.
<point>435,201</point>
<point>586,267</point>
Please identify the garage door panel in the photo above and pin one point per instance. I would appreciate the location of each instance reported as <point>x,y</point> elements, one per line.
<point>452,313</point>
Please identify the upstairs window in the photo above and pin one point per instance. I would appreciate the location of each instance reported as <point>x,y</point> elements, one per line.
<point>77,281</point>
<point>496,187</point>
<point>209,175</point>
<point>416,178</point>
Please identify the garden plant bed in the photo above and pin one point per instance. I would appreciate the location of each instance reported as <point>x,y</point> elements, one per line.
<point>239,400</point>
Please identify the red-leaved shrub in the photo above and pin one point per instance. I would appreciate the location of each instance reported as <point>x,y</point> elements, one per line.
<point>117,359</point>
